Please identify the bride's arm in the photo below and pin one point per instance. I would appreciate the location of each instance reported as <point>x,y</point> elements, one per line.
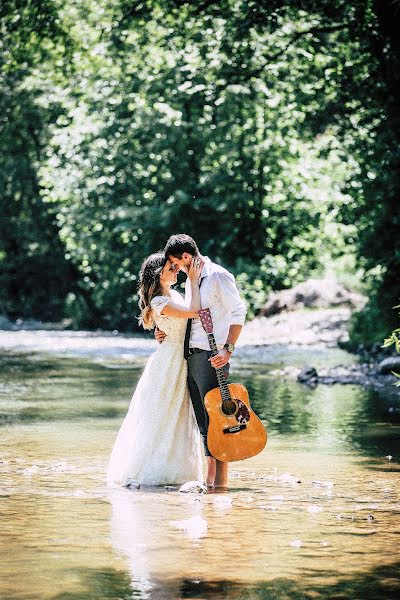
<point>177,311</point>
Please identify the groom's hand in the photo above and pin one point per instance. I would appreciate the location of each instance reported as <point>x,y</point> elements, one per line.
<point>219,360</point>
<point>159,335</point>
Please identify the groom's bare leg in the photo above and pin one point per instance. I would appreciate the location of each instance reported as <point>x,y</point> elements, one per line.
<point>217,472</point>
<point>221,475</point>
<point>211,471</point>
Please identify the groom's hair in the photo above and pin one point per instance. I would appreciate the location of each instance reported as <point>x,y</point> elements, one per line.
<point>180,243</point>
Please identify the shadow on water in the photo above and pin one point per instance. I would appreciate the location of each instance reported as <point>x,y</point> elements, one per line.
<point>382,583</point>
<point>362,419</point>
<point>50,389</point>
<point>28,363</point>
<point>33,415</point>
<point>41,389</point>
<point>378,426</point>
<point>283,403</point>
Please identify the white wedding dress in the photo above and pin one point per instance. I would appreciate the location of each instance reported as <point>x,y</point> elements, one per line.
<point>159,442</point>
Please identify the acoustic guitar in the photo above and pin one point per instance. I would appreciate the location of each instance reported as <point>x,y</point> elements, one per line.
<point>234,431</point>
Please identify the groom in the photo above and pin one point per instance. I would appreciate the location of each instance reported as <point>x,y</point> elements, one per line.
<point>218,292</point>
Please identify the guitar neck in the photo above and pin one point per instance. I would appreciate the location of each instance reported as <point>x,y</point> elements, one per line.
<point>223,386</point>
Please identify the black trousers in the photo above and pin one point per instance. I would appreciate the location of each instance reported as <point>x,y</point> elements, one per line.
<point>201,379</point>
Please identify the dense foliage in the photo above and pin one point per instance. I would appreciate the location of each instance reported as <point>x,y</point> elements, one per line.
<point>268,130</point>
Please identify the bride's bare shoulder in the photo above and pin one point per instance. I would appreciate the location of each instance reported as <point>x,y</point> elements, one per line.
<point>177,297</point>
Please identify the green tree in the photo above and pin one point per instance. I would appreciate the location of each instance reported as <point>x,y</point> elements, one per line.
<point>268,130</point>
<point>34,276</point>
<point>168,135</point>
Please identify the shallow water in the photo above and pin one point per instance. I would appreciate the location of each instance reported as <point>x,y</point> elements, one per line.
<point>316,515</point>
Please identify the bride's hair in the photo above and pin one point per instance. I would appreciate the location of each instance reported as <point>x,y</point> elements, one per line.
<point>149,286</point>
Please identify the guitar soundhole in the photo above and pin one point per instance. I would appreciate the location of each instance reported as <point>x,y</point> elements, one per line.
<point>228,407</point>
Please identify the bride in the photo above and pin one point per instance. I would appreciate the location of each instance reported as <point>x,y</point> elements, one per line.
<point>158,442</point>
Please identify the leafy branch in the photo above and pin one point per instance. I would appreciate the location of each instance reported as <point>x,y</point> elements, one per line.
<point>394,339</point>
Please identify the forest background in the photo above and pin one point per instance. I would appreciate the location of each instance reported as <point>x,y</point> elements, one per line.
<point>268,130</point>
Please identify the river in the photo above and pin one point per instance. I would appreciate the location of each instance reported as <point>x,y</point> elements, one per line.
<point>315,515</point>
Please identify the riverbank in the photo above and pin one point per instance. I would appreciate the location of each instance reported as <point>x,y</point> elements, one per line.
<point>289,344</point>
<point>327,328</point>
<point>305,327</point>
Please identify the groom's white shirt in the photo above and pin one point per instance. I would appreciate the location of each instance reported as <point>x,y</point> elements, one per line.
<point>219,293</point>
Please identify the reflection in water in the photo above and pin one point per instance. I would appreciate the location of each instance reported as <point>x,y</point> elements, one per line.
<point>338,416</point>
<point>316,515</point>
<point>382,582</point>
<point>250,550</point>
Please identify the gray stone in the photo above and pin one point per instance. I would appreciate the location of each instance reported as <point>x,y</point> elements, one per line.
<point>308,375</point>
<point>193,487</point>
<point>132,484</point>
<point>314,293</point>
<point>392,363</point>
<point>5,323</point>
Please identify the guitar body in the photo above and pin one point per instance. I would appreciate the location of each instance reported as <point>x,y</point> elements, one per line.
<point>233,436</point>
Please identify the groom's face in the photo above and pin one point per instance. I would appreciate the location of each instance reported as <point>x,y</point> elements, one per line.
<point>181,264</point>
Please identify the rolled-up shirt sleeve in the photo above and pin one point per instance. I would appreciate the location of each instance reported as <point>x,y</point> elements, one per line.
<point>230,298</point>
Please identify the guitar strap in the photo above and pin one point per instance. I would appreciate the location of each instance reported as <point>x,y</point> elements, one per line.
<point>187,333</point>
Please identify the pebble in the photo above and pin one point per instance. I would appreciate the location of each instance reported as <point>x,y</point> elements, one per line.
<point>287,478</point>
<point>131,484</point>
<point>328,484</point>
<point>296,544</point>
<point>61,468</point>
<point>196,526</point>
<point>31,470</point>
<point>222,501</point>
<point>248,499</point>
<point>284,478</point>
<point>193,487</point>
<point>314,509</point>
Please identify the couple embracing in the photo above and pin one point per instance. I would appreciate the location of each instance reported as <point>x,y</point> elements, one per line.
<point>159,440</point>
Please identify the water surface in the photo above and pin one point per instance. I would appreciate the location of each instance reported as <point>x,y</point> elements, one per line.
<point>316,515</point>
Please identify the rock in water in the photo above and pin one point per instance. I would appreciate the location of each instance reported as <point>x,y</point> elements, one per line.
<point>392,363</point>
<point>287,478</point>
<point>132,484</point>
<point>314,509</point>
<point>308,375</point>
<point>193,487</point>
<point>196,527</point>
<point>223,501</point>
<point>327,484</point>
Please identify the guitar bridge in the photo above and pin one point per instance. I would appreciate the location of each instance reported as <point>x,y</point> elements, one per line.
<point>235,428</point>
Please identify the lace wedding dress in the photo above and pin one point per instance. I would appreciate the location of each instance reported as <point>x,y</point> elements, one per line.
<point>158,442</point>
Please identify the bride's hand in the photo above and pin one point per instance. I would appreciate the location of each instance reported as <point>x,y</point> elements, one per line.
<point>195,269</point>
